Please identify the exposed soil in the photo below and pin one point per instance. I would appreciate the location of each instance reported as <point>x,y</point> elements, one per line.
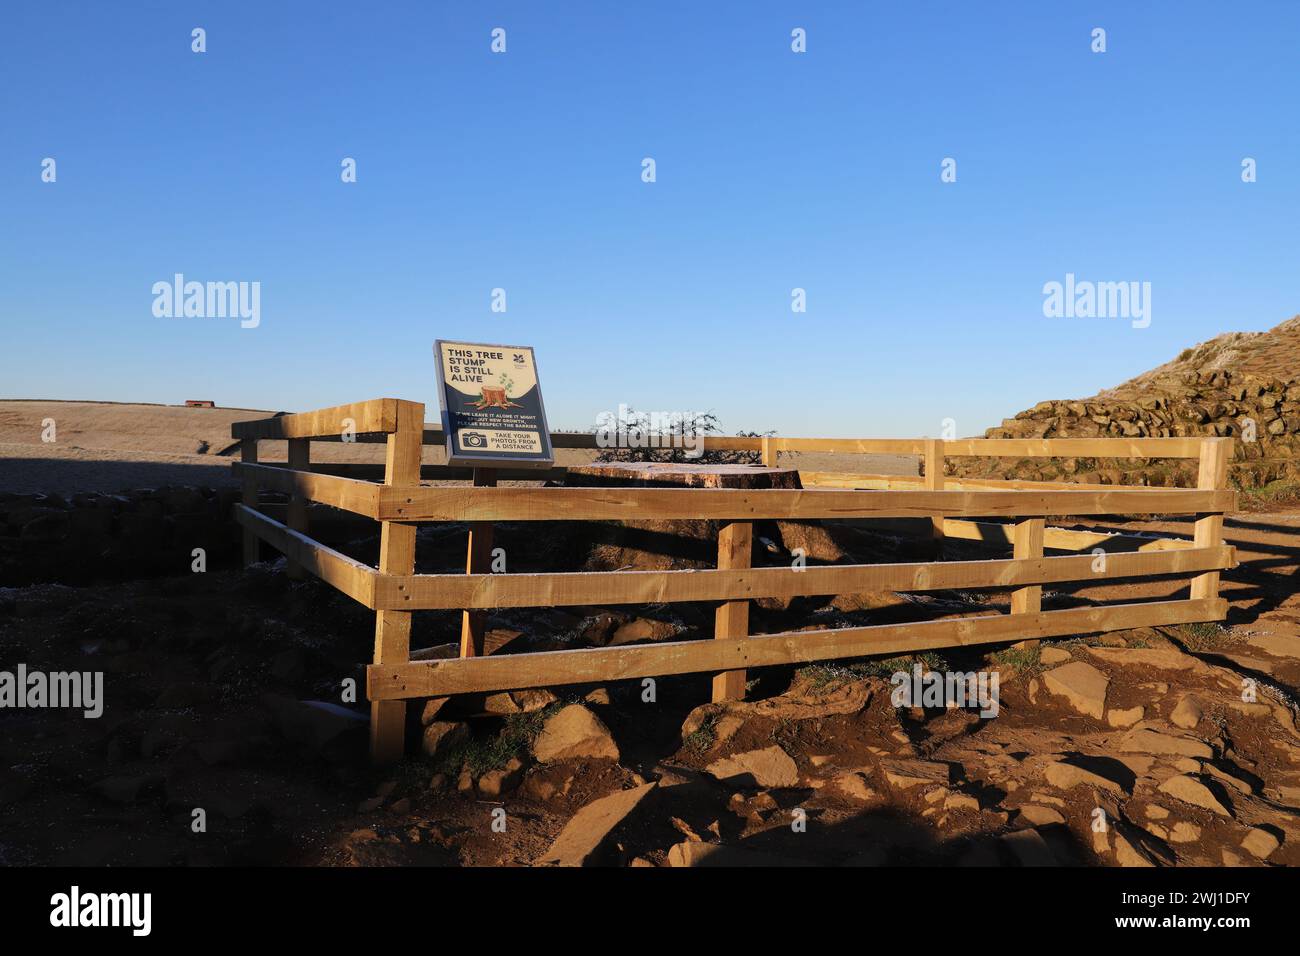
<point>206,676</point>
<point>226,692</point>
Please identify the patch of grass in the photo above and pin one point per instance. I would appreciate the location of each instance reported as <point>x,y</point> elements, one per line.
<point>1283,491</point>
<point>1203,635</point>
<point>1092,640</point>
<point>824,677</point>
<point>702,738</point>
<point>1021,658</point>
<point>929,661</point>
<point>492,753</point>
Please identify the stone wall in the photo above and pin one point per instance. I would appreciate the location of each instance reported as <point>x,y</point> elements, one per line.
<point>1219,403</point>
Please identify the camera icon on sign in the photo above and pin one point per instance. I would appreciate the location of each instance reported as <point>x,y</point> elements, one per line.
<point>473,440</point>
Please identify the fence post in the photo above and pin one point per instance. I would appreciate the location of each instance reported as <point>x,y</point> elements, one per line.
<point>478,560</point>
<point>1028,543</point>
<point>248,455</point>
<point>1213,475</point>
<point>299,460</point>
<point>732,620</point>
<point>769,452</point>
<point>934,482</point>
<point>396,556</point>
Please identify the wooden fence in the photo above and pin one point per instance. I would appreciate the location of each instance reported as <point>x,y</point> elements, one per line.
<point>399,502</point>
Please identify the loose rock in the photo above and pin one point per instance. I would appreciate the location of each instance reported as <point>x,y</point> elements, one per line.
<point>769,767</point>
<point>1065,775</point>
<point>574,732</point>
<point>581,839</point>
<point>905,774</point>
<point>1124,718</point>
<point>1082,685</point>
<point>1151,742</point>
<point>1187,714</point>
<point>1261,843</point>
<point>1192,791</point>
<point>443,736</point>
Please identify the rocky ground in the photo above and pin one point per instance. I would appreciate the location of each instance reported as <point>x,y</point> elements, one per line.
<point>1242,385</point>
<point>226,694</point>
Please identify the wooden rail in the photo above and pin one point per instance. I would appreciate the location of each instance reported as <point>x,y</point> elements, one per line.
<point>593,665</point>
<point>957,509</point>
<point>725,504</point>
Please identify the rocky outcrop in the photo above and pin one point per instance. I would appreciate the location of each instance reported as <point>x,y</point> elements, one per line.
<point>1221,389</point>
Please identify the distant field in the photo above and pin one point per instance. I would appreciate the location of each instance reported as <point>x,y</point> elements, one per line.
<point>107,446</point>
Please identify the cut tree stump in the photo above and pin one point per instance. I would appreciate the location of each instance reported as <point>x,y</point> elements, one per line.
<point>657,474</point>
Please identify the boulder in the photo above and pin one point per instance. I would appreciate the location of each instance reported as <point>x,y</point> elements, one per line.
<point>443,736</point>
<point>1187,713</point>
<point>518,701</point>
<point>1260,842</point>
<point>769,767</point>
<point>1129,851</point>
<point>961,801</point>
<point>1145,741</point>
<point>1279,645</point>
<point>1066,774</point>
<point>574,732</point>
<point>905,774</point>
<point>800,702</point>
<point>1162,658</point>
<point>1124,718</point>
<point>854,786</point>
<point>643,629</point>
<point>581,839</point>
<point>1082,685</point>
<point>1192,791</point>
<point>502,780</point>
<point>1039,816</point>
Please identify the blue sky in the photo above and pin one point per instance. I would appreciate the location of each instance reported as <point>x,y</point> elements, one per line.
<point>522,171</point>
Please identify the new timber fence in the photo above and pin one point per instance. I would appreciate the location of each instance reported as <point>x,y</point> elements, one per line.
<point>399,502</point>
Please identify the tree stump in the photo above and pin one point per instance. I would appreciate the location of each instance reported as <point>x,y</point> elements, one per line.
<point>658,474</point>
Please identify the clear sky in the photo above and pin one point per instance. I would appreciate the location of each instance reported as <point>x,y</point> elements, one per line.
<point>775,170</point>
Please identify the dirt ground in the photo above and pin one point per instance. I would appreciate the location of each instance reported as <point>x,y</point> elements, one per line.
<point>232,734</point>
<point>223,695</point>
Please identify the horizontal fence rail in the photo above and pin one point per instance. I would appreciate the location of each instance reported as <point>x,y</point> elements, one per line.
<point>568,589</point>
<point>595,665</point>
<point>633,504</point>
<point>957,508</point>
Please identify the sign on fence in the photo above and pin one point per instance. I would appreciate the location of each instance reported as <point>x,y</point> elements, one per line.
<point>492,411</point>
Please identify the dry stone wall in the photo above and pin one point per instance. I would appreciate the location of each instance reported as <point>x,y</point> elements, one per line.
<point>1262,413</point>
